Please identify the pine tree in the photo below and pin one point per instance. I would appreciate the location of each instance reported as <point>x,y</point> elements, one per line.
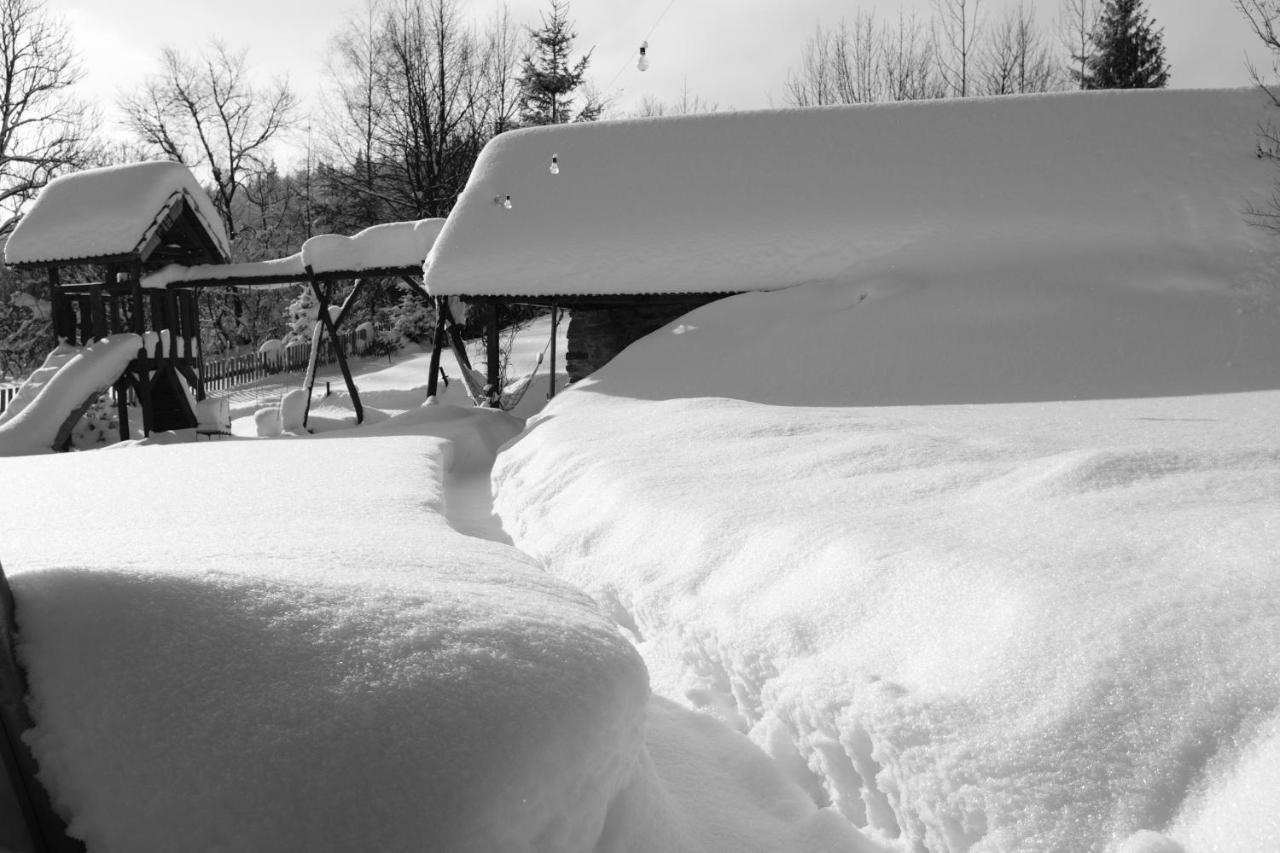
<point>549,77</point>
<point>1128,51</point>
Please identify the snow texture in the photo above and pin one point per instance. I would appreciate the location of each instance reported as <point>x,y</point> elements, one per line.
<point>762,200</point>
<point>975,532</point>
<point>299,653</point>
<point>290,267</point>
<point>108,211</point>
<point>391,245</point>
<point>87,372</point>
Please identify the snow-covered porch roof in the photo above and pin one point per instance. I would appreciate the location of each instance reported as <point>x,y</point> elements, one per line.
<point>142,213</point>
<point>393,249</point>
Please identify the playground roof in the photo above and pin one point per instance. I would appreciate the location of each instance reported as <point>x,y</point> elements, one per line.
<point>152,213</point>
<point>391,249</point>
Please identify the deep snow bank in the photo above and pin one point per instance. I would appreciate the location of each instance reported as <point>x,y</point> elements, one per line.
<point>995,628</point>
<point>282,645</point>
<point>761,200</point>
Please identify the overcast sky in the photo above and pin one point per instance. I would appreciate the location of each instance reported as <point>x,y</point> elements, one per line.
<point>734,53</point>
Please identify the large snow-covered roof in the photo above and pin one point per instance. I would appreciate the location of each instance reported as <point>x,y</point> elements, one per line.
<point>763,200</point>
<point>108,212</point>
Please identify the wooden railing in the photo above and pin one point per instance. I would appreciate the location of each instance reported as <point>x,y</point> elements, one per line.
<point>225,373</point>
<point>7,393</point>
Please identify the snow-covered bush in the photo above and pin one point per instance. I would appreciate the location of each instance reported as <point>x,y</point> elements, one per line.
<point>301,315</point>
<point>413,320</point>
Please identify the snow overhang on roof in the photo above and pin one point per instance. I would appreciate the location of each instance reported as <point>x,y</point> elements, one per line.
<point>734,202</point>
<point>393,248</point>
<point>114,213</point>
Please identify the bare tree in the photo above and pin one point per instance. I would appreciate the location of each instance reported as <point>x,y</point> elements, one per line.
<point>912,71</point>
<point>956,28</point>
<point>866,61</point>
<point>1263,17</point>
<point>687,104</point>
<point>207,111</point>
<point>1017,59</point>
<point>43,129</point>
<point>1077,21</point>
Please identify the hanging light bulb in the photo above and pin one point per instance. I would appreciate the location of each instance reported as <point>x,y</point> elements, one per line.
<point>643,64</point>
<point>554,168</point>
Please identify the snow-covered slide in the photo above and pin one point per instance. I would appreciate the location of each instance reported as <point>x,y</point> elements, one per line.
<point>54,397</point>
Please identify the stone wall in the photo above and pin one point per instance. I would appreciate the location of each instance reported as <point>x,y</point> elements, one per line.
<point>597,334</point>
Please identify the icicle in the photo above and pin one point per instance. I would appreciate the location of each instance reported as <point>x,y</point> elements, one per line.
<point>555,165</point>
<point>643,64</point>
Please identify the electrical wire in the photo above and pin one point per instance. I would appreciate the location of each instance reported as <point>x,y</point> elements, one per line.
<point>645,39</point>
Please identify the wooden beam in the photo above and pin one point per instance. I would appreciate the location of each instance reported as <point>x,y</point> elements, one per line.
<point>139,318</point>
<point>349,302</point>
<point>98,312</point>
<point>437,344</point>
<point>492,388</point>
<point>323,298</point>
<point>57,305</point>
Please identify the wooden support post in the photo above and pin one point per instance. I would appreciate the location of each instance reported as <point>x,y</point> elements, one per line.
<point>171,323</point>
<point>57,305</point>
<point>493,378</point>
<point>85,322</point>
<point>98,312</point>
<point>122,406</point>
<point>323,298</point>
<point>349,302</point>
<point>195,347</point>
<point>156,306</point>
<point>551,383</point>
<point>139,318</point>
<point>433,380</point>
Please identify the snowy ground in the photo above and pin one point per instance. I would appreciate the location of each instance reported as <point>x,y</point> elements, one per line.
<point>964,543</point>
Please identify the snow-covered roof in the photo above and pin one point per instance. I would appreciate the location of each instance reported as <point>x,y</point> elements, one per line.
<point>109,212</point>
<point>379,248</point>
<point>762,200</point>
<point>275,271</point>
<point>388,246</point>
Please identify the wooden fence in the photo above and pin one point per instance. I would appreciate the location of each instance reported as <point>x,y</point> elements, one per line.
<point>225,373</point>
<point>7,393</point>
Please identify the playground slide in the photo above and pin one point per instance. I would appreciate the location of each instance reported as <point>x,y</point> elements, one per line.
<point>66,387</point>
<point>37,380</point>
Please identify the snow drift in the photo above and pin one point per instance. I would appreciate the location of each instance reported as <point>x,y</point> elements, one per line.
<point>1033,611</point>
<point>335,669</point>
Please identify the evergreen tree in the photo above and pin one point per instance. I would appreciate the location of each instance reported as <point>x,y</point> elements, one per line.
<point>549,77</point>
<point>1128,51</point>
